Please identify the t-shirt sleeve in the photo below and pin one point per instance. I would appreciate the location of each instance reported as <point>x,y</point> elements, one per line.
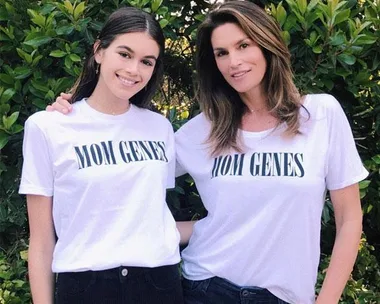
<point>37,172</point>
<point>179,168</point>
<point>344,166</point>
<point>171,159</point>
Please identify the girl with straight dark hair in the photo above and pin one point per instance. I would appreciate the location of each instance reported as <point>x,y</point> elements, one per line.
<point>96,179</point>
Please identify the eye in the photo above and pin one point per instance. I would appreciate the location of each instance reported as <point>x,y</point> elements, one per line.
<point>243,45</point>
<point>125,55</point>
<point>220,53</point>
<point>147,62</point>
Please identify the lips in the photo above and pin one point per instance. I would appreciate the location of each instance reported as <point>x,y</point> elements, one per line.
<point>239,74</point>
<point>127,81</point>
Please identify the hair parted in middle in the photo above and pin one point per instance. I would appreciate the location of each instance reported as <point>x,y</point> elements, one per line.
<point>220,103</point>
<point>123,21</point>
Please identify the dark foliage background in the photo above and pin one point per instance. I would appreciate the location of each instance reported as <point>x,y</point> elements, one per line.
<point>335,49</point>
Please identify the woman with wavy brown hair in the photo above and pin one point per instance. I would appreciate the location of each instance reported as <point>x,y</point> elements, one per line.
<point>262,158</point>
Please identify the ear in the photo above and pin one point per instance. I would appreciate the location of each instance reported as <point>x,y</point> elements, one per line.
<point>98,52</point>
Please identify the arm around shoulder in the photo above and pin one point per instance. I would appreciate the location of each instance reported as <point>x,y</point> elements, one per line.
<point>185,229</point>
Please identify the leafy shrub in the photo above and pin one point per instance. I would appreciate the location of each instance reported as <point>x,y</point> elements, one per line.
<point>335,49</point>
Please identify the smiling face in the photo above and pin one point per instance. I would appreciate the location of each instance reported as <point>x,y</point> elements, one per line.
<point>127,65</point>
<point>239,59</point>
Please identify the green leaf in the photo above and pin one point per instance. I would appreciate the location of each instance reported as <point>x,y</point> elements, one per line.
<point>39,20</point>
<point>365,39</point>
<point>5,78</point>
<point>65,30</point>
<point>27,57</point>
<point>155,5</point>
<point>281,15</point>
<point>342,72</point>
<point>57,53</point>
<point>68,62</point>
<point>312,4</point>
<point>3,14</point>
<point>22,72</point>
<point>69,7</point>
<point>199,17</point>
<point>376,159</point>
<point>40,86</point>
<point>347,58</point>
<point>317,49</point>
<point>50,95</point>
<point>79,9</point>
<point>7,95</point>
<point>4,138</point>
<point>39,103</point>
<point>74,58</point>
<point>11,120</point>
<point>36,60</point>
<point>4,108</point>
<point>36,42</point>
<point>329,84</point>
<point>163,23</point>
<point>341,16</point>
<point>337,39</point>
<point>163,10</point>
<point>364,184</point>
<point>302,5</point>
<point>32,13</point>
<point>286,36</point>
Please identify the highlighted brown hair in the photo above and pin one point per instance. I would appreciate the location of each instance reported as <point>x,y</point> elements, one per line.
<point>220,103</point>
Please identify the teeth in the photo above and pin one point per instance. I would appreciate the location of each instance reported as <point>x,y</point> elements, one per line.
<point>238,74</point>
<point>126,81</point>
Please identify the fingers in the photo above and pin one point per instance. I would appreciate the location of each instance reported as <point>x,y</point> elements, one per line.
<point>64,100</point>
<point>61,105</point>
<point>66,96</point>
<point>49,108</point>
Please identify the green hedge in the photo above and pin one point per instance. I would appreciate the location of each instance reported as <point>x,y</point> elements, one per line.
<point>335,49</point>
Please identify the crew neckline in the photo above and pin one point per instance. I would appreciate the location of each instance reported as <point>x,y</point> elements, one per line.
<point>110,117</point>
<point>264,133</point>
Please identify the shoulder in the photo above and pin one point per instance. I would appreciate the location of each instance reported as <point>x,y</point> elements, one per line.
<point>43,119</point>
<point>197,127</point>
<point>149,116</point>
<point>323,100</point>
<point>321,105</point>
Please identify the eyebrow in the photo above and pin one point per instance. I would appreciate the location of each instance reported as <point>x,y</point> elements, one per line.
<point>238,42</point>
<point>132,51</point>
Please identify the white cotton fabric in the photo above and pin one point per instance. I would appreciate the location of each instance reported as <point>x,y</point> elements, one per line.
<point>264,205</point>
<point>108,177</point>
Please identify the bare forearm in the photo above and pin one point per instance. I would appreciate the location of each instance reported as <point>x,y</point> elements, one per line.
<point>342,261</point>
<point>185,230</point>
<point>40,275</point>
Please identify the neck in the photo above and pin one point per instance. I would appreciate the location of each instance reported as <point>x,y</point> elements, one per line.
<point>255,101</point>
<point>106,103</point>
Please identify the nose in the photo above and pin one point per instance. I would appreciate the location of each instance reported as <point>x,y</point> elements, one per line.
<point>132,67</point>
<point>235,59</point>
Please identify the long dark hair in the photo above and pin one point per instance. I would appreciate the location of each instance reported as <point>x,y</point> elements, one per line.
<point>222,104</point>
<point>124,20</point>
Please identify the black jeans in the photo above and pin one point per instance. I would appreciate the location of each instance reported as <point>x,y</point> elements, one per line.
<point>219,291</point>
<point>122,285</point>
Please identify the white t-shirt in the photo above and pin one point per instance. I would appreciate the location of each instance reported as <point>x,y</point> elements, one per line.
<point>264,205</point>
<point>108,177</point>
